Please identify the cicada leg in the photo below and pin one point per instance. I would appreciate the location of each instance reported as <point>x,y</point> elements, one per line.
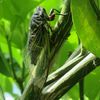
<point>51,29</point>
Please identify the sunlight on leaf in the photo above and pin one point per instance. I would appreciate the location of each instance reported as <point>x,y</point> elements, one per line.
<point>86,25</point>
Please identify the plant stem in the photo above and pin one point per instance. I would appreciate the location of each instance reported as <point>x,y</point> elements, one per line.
<point>81,89</point>
<point>65,68</point>
<point>67,81</point>
<point>11,58</point>
<point>18,80</point>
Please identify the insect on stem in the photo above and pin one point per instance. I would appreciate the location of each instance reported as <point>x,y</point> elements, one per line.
<point>39,32</point>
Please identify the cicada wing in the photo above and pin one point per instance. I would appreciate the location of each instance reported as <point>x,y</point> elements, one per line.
<point>27,60</point>
<point>35,45</point>
<point>33,49</point>
<point>47,42</point>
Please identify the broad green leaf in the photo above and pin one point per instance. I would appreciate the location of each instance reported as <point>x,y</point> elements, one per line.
<point>15,52</point>
<point>2,38</point>
<point>53,4</point>
<point>63,55</point>
<point>16,11</point>
<point>92,84</point>
<point>6,9</point>
<point>97,96</point>
<point>74,92</point>
<point>16,20</point>
<point>16,66</point>
<point>1,11</point>
<point>8,85</point>
<point>24,6</point>
<point>17,36</point>
<point>86,25</point>
<point>5,67</point>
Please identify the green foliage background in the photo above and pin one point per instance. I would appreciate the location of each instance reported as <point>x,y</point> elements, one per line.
<point>14,21</point>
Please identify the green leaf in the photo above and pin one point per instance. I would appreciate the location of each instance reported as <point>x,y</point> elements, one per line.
<point>9,8</point>
<point>6,9</point>
<point>63,55</point>
<point>8,85</point>
<point>4,65</point>
<point>16,20</point>
<point>92,84</point>
<point>16,66</point>
<point>1,94</point>
<point>15,52</point>
<point>24,6</point>
<point>86,25</point>
<point>73,92</point>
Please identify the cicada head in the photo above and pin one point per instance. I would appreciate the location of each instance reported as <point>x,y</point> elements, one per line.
<point>42,13</point>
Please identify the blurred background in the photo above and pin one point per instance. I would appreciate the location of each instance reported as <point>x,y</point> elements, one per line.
<point>14,22</point>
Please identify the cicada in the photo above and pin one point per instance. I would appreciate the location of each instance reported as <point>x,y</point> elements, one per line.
<point>39,32</point>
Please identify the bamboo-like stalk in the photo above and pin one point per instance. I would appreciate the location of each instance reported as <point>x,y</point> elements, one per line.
<point>58,88</point>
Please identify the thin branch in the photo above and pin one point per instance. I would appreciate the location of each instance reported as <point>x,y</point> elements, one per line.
<point>81,89</point>
<point>11,58</point>
<point>81,82</point>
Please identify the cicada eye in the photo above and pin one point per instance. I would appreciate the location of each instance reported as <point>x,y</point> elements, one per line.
<point>37,7</point>
<point>44,10</point>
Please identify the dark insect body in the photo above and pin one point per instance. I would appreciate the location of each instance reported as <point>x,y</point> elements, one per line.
<point>39,26</point>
